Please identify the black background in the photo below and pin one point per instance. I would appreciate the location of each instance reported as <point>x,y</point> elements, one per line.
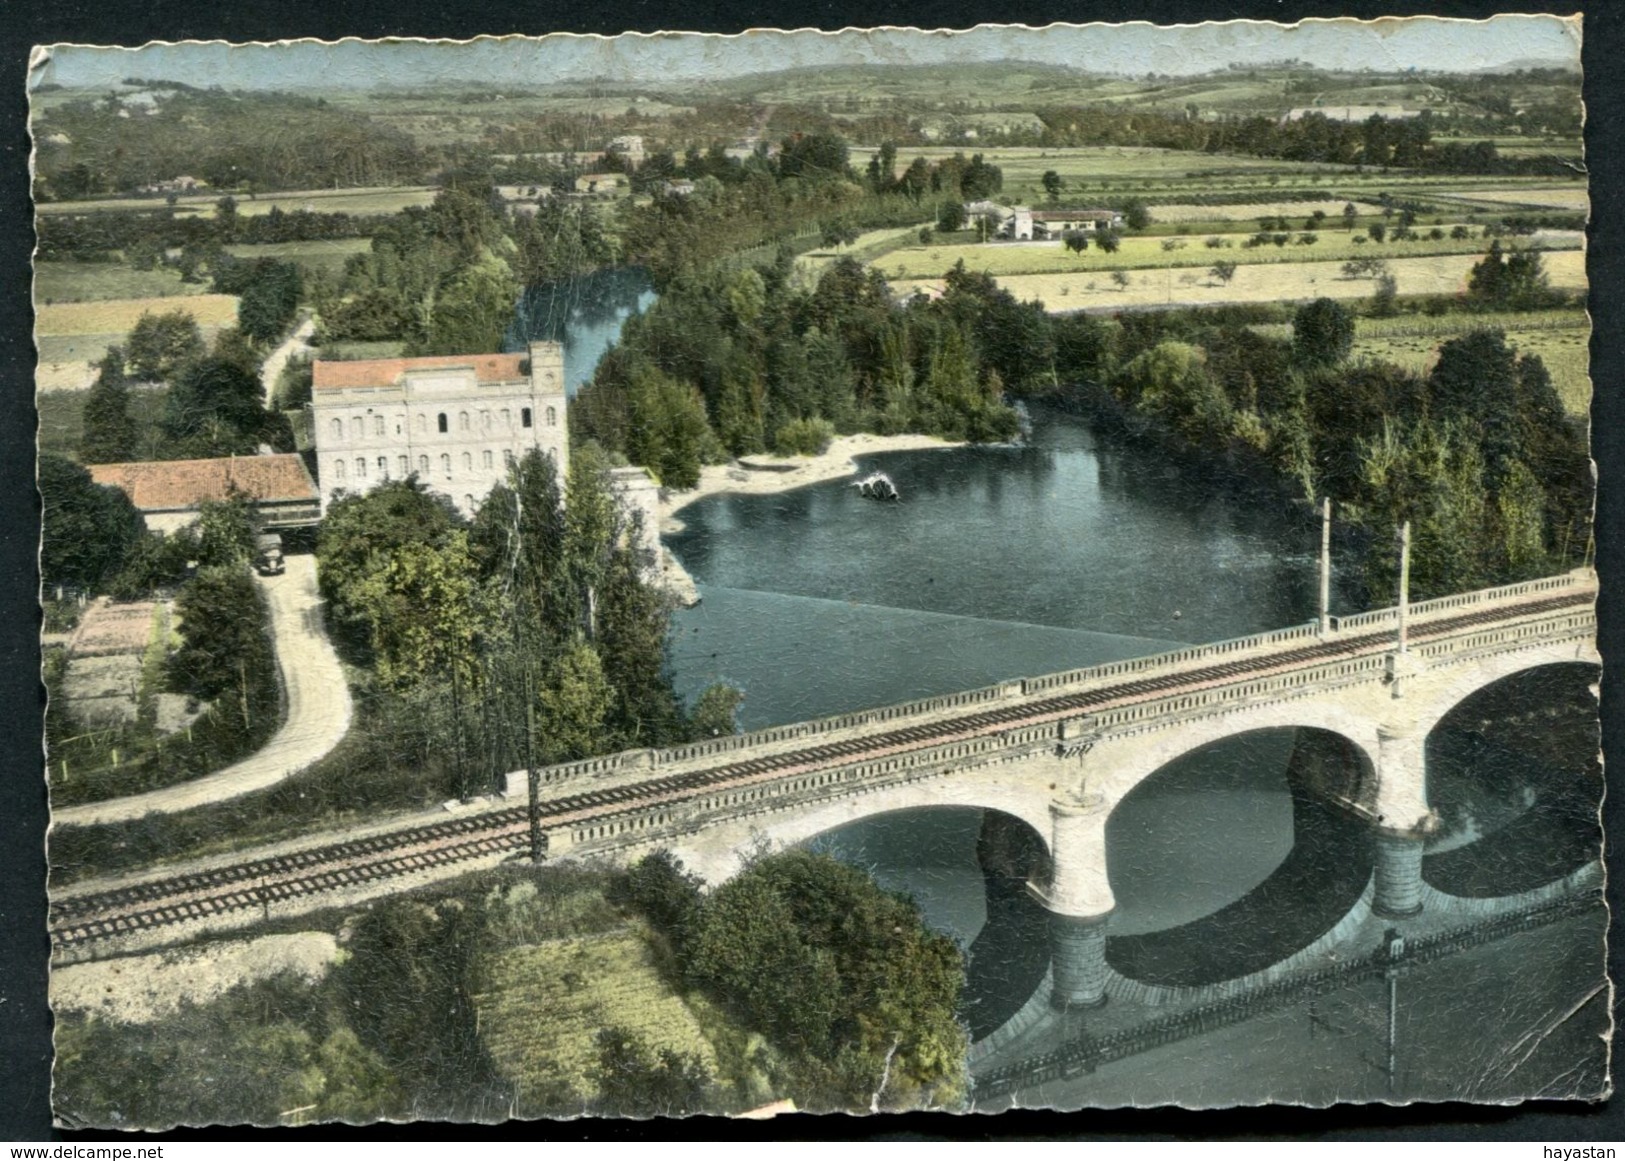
<point>25,1048</point>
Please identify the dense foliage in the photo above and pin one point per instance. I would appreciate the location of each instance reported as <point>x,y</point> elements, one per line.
<point>742,361</point>
<point>841,976</point>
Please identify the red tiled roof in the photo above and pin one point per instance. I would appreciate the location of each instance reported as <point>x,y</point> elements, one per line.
<point>166,485</point>
<point>332,375</point>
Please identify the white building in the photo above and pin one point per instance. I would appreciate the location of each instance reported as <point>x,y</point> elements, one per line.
<point>455,421</point>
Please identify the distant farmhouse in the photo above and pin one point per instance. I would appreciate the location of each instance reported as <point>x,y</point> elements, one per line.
<point>456,421</point>
<point>169,493</point>
<point>1026,224</point>
<point>629,147</point>
<point>599,183</point>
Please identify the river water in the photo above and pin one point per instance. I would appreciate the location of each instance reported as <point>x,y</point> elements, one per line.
<point>1075,549</point>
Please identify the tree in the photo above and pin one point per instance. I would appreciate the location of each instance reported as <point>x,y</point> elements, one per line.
<point>715,712</point>
<point>634,1081</point>
<point>1322,332</point>
<point>1223,270</point>
<point>472,309</point>
<point>1135,214</point>
<point>110,434</point>
<point>1108,240</point>
<point>224,640</point>
<point>1076,241</point>
<point>1054,183</point>
<point>1512,281</point>
<point>88,529</point>
<point>1384,297</point>
<point>215,408</point>
<point>160,344</point>
<point>421,609</point>
<point>951,217</point>
<point>269,300</point>
<point>360,533</point>
<point>837,232</point>
<point>1377,231</point>
<point>839,973</point>
<point>572,706</point>
<point>1350,216</point>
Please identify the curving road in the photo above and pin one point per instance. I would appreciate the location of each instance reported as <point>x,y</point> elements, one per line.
<point>318,705</point>
<point>297,343</point>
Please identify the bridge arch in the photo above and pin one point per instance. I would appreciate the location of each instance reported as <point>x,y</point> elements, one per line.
<point>717,852</point>
<point>1238,854</point>
<point>1515,790</point>
<point>1456,685</point>
<point>1122,764</point>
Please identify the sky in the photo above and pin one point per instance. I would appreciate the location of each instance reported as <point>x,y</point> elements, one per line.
<point>1388,44</point>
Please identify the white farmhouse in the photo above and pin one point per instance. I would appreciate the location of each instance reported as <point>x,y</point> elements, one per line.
<point>456,421</point>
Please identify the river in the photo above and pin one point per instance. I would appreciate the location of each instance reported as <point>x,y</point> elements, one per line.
<point>1078,548</point>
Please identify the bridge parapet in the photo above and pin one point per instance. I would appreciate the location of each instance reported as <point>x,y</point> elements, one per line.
<point>639,765</point>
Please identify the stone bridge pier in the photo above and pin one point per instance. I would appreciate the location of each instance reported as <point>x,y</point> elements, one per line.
<point>1078,897</point>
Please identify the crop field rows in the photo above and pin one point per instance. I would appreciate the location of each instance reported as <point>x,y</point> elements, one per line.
<point>1252,283</point>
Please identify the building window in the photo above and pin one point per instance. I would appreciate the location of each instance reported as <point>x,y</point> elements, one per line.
<point>485,421</point>
<point>462,421</point>
<point>338,429</point>
<point>468,501</point>
<point>552,417</point>
<point>360,468</point>
<point>524,417</point>
<point>423,463</point>
<point>402,464</point>
<point>445,464</point>
<point>383,467</point>
<point>356,430</point>
<point>400,425</point>
<point>468,461</point>
<point>444,426</point>
<point>485,459</point>
<point>507,457</point>
<point>338,469</point>
<point>507,418</point>
<point>423,424</point>
<point>378,425</point>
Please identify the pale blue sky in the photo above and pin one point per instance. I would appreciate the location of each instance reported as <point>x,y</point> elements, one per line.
<point>1419,42</point>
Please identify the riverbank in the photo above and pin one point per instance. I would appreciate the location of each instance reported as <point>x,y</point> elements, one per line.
<point>771,475</point>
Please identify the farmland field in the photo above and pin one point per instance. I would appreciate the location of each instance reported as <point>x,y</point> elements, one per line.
<point>542,1022</point>
<point>323,254</point>
<point>61,417</point>
<point>1292,211</point>
<point>119,315</point>
<point>72,335</point>
<point>375,200</point>
<point>97,281</point>
<point>1148,252</point>
<point>1260,282</point>
<point>1563,198</point>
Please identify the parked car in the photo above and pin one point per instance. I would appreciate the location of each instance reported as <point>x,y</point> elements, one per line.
<point>268,555</point>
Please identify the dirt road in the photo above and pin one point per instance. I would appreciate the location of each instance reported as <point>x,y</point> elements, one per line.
<point>318,710</point>
<point>298,343</point>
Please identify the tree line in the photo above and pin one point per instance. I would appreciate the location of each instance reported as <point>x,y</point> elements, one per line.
<point>734,362</point>
<point>532,635</point>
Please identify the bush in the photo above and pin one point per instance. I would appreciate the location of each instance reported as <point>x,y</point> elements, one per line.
<point>804,437</point>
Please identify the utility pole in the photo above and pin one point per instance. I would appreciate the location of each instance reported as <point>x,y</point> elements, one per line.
<point>1404,580</point>
<point>533,776</point>
<point>1325,566</point>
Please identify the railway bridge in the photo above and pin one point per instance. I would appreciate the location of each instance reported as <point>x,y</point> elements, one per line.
<point>1059,752</point>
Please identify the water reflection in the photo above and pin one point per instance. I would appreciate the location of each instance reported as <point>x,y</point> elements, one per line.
<point>585,313</point>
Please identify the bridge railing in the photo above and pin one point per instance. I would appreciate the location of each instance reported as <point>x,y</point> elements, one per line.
<point>1423,609</point>
<point>638,762</point>
<point>890,768</point>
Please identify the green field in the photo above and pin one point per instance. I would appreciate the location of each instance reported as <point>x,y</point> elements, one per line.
<point>1561,339</point>
<point>325,254</point>
<point>61,417</point>
<point>99,281</point>
<point>376,200</point>
<point>1139,253</point>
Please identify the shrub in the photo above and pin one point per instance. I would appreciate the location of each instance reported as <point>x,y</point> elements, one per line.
<point>804,437</point>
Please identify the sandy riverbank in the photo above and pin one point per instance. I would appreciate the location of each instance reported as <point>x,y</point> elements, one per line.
<point>775,475</point>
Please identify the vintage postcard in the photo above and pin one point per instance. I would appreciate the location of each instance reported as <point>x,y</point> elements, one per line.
<point>1019,567</point>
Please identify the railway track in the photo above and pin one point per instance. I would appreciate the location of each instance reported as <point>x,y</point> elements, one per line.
<point>261,883</point>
